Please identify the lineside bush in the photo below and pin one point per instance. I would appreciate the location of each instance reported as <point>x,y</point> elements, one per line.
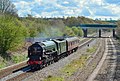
<point>12,33</point>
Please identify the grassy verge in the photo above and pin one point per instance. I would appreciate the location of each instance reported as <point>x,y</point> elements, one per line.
<point>71,68</point>
<point>91,50</point>
<point>53,78</point>
<point>14,59</point>
<point>3,64</point>
<point>78,63</point>
<point>74,65</point>
<point>19,58</point>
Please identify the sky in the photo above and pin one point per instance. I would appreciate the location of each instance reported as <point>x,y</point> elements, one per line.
<point>58,8</point>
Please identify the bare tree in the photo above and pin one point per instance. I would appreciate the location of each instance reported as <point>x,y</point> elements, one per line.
<point>6,7</point>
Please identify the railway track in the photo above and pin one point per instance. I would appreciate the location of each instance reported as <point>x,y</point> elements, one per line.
<point>82,74</point>
<point>95,71</point>
<point>13,72</point>
<point>10,69</point>
<point>105,70</point>
<point>95,63</point>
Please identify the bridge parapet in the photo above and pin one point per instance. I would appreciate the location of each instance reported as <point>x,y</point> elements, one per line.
<point>100,26</point>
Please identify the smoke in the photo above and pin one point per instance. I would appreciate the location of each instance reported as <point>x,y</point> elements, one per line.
<point>51,32</point>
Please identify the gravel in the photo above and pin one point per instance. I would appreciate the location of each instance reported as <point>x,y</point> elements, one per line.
<point>82,75</point>
<point>106,73</point>
<point>117,71</point>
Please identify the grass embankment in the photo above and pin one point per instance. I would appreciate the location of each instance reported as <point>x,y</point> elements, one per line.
<point>19,58</point>
<point>78,63</point>
<point>3,63</point>
<point>14,56</point>
<point>14,59</point>
<point>54,78</point>
<point>71,68</point>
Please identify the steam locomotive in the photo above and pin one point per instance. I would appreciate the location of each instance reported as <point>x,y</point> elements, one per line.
<point>43,53</point>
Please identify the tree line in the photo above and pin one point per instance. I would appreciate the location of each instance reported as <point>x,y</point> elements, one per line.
<point>14,29</point>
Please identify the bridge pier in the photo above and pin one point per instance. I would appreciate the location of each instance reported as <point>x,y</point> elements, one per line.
<point>85,32</point>
<point>113,32</point>
<point>99,32</point>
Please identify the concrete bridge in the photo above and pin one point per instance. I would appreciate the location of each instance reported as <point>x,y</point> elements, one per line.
<point>98,26</point>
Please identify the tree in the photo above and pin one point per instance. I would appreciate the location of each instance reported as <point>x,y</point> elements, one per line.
<point>12,33</point>
<point>32,27</point>
<point>77,31</point>
<point>6,7</point>
<point>33,31</point>
<point>80,33</point>
<point>69,31</point>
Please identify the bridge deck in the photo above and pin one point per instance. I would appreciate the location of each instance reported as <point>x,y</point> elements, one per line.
<point>98,26</point>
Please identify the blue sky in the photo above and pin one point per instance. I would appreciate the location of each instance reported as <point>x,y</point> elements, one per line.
<point>59,8</point>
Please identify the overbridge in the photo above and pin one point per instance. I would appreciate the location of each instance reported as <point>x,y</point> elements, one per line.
<point>98,26</point>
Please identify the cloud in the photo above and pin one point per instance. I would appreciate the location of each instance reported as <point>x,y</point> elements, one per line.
<point>65,2</point>
<point>50,8</point>
<point>85,12</point>
<point>113,1</point>
<point>104,12</point>
<point>114,9</point>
